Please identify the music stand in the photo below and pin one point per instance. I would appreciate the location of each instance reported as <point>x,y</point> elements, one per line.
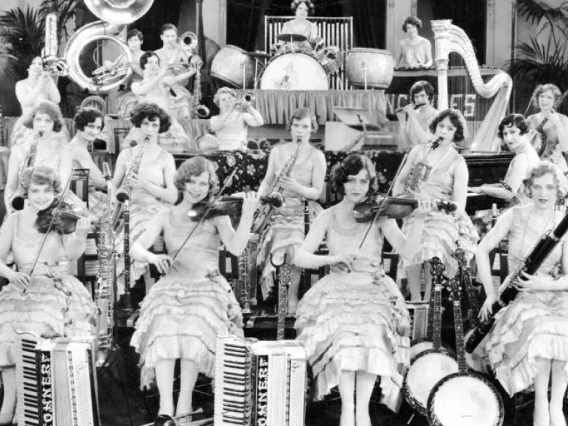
<point>357,118</point>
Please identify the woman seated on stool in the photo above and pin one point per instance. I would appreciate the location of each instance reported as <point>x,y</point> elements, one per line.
<point>50,302</point>
<point>230,126</point>
<point>354,323</point>
<point>299,25</point>
<point>185,311</point>
<point>529,342</point>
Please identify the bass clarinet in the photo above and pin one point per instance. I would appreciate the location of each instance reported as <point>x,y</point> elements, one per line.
<point>530,265</point>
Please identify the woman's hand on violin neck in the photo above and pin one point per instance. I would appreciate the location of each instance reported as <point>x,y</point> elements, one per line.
<point>425,207</point>
<point>250,203</point>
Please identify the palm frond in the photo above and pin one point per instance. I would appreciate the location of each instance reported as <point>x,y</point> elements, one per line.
<point>534,13</point>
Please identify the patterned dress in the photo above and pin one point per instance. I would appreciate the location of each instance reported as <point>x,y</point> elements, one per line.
<point>355,321</point>
<point>535,324</point>
<point>442,231</point>
<point>185,311</point>
<point>55,301</point>
<point>285,232</point>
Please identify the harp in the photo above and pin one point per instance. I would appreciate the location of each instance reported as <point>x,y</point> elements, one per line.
<point>450,38</point>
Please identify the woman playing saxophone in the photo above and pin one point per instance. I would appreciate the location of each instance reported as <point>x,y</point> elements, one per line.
<point>303,180</point>
<point>148,171</point>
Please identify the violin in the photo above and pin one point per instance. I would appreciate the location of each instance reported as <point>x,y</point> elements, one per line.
<point>66,220</point>
<point>392,207</point>
<point>229,205</point>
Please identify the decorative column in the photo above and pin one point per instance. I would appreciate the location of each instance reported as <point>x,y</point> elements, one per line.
<point>441,30</point>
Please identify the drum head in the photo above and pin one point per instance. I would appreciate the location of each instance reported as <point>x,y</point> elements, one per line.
<point>294,71</point>
<point>425,371</point>
<point>232,65</point>
<point>465,399</point>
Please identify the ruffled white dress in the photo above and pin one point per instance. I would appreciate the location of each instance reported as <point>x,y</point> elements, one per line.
<point>185,311</point>
<point>535,324</point>
<point>355,321</point>
<point>55,301</point>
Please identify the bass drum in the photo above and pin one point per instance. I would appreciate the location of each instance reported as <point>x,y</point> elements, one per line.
<point>426,369</point>
<point>465,399</point>
<point>294,71</point>
<point>227,66</point>
<point>374,67</point>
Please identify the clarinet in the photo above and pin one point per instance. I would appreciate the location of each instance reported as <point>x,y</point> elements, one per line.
<point>530,265</point>
<point>127,295</point>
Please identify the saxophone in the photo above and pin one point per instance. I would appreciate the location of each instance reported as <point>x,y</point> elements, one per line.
<point>125,191</point>
<point>196,107</point>
<point>104,297</point>
<point>543,138</point>
<point>18,199</point>
<point>264,212</point>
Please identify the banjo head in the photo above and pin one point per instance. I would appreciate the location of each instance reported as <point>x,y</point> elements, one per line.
<point>465,399</point>
<point>426,369</point>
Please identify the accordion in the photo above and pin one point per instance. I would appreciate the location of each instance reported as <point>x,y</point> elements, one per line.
<point>56,382</point>
<point>259,383</point>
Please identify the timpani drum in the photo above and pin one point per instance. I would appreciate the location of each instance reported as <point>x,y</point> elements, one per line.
<point>228,64</point>
<point>369,67</point>
<point>294,71</point>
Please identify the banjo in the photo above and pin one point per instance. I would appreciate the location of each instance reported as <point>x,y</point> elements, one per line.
<point>478,359</point>
<point>465,397</point>
<point>431,365</point>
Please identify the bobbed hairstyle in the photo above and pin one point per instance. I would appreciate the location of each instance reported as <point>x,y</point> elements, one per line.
<point>541,88</point>
<point>41,175</point>
<point>135,33</point>
<point>167,27</point>
<point>195,167</point>
<point>457,120</point>
<point>144,58</point>
<point>49,108</point>
<point>311,7</point>
<point>351,166</point>
<point>223,91</point>
<point>419,86</point>
<point>87,115</point>
<point>300,114</point>
<point>517,120</point>
<point>413,20</point>
<point>542,168</point>
<point>152,112</point>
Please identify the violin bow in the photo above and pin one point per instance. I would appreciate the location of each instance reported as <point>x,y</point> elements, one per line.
<point>51,222</point>
<point>376,215</point>
<point>226,183</point>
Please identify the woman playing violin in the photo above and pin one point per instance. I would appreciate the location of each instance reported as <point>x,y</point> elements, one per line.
<point>437,170</point>
<point>285,231</point>
<point>46,122</point>
<point>554,125</point>
<point>153,185</point>
<point>186,310</point>
<point>513,130</point>
<point>529,342</point>
<point>354,323</point>
<point>50,301</point>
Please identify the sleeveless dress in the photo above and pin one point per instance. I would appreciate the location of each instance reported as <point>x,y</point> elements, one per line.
<point>532,159</point>
<point>180,99</point>
<point>234,134</point>
<point>302,27</point>
<point>414,55</point>
<point>285,232</point>
<point>55,301</point>
<point>552,151</point>
<point>355,321</point>
<point>185,311</point>
<point>141,213</point>
<point>442,231</point>
<point>535,324</point>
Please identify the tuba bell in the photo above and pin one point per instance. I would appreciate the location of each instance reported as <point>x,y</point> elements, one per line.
<point>114,15</point>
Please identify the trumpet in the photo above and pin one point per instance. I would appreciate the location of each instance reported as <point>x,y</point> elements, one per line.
<point>111,71</point>
<point>188,42</point>
<point>55,66</point>
<point>243,104</point>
